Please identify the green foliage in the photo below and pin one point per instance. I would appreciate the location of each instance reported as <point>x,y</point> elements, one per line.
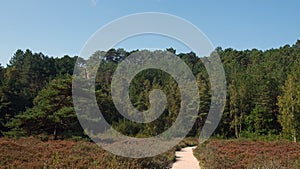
<point>23,78</point>
<point>65,65</point>
<point>258,121</point>
<point>53,111</point>
<point>289,106</point>
<point>35,93</point>
<point>128,128</point>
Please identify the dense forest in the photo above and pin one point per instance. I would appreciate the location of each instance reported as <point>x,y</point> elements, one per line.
<point>263,94</point>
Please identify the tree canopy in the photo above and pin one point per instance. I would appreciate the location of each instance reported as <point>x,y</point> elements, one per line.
<point>262,93</point>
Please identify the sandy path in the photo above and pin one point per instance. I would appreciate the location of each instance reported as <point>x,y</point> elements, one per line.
<point>185,159</point>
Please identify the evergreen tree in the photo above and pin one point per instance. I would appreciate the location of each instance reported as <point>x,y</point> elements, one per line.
<point>53,112</point>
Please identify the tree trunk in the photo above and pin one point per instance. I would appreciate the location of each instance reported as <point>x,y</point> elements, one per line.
<point>240,123</point>
<point>55,132</point>
<point>295,138</point>
<point>236,126</point>
<point>294,132</point>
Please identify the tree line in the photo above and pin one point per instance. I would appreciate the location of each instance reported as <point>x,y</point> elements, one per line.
<point>263,93</point>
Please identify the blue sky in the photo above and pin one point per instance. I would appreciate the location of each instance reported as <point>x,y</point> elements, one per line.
<point>56,28</point>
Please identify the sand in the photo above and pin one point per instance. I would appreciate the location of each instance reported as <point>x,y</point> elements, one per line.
<point>185,159</point>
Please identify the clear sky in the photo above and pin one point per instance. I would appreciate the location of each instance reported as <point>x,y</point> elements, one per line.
<point>56,28</point>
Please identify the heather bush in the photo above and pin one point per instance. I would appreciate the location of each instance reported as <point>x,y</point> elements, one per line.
<point>246,154</point>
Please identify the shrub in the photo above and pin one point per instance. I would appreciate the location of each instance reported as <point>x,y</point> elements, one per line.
<point>237,154</point>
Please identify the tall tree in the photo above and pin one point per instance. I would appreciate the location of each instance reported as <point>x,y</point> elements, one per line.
<point>65,65</point>
<point>53,112</point>
<point>1,75</point>
<point>289,107</point>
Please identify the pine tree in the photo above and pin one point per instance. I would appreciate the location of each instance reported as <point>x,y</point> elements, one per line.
<point>53,112</point>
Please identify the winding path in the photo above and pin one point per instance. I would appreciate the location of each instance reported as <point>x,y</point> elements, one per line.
<point>185,159</point>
